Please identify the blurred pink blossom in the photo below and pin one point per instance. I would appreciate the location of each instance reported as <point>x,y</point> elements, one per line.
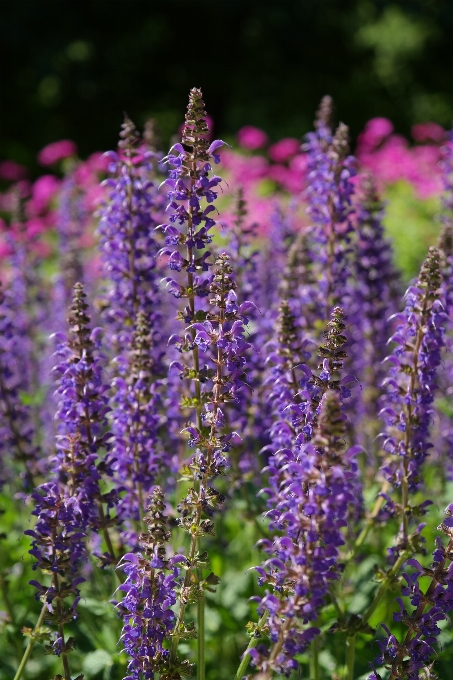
<point>43,190</point>
<point>427,132</point>
<point>94,195</point>
<point>35,226</point>
<point>376,130</point>
<point>284,149</point>
<point>251,138</point>
<point>391,159</point>
<point>12,171</point>
<point>57,151</point>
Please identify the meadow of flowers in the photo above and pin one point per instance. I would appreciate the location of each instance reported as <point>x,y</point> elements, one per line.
<point>226,407</point>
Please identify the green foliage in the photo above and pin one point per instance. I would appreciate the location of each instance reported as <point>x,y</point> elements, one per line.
<point>411,224</point>
<point>232,556</point>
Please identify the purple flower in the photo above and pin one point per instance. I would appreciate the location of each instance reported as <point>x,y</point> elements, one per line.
<point>81,416</point>
<point>127,234</point>
<point>406,659</point>
<point>136,454</point>
<point>149,591</point>
<point>444,441</point>
<point>324,282</point>
<point>191,182</point>
<point>411,382</point>
<point>317,488</point>
<point>19,453</point>
<point>374,297</point>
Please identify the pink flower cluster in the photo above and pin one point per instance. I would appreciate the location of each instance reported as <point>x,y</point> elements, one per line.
<point>39,201</point>
<point>270,175</point>
<point>390,157</point>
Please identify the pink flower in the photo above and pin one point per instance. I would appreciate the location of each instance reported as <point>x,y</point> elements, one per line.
<point>251,138</point>
<point>98,162</point>
<point>278,173</point>
<point>284,149</point>
<point>12,171</point>
<point>299,163</point>
<point>376,130</point>
<point>43,190</point>
<point>36,226</point>
<point>57,151</point>
<point>428,132</point>
<point>94,195</point>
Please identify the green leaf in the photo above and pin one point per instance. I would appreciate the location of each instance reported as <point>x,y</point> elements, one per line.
<point>95,662</point>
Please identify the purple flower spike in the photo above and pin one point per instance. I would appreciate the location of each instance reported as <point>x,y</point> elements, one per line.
<point>316,492</point>
<point>444,441</point>
<point>81,415</point>
<point>136,452</point>
<point>19,454</point>
<point>127,232</point>
<point>374,298</point>
<point>191,185</point>
<point>411,382</point>
<point>149,591</point>
<point>329,195</point>
<point>406,660</point>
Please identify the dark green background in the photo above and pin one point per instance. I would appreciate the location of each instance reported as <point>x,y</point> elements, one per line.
<point>71,67</point>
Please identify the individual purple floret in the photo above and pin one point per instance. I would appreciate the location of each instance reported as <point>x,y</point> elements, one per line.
<point>407,659</point>
<point>152,580</point>
<point>316,491</point>
<point>126,228</point>
<point>411,384</point>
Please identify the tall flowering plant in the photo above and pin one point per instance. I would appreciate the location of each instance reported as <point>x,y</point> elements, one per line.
<point>275,435</point>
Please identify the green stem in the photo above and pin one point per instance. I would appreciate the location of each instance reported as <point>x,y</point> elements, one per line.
<point>350,657</point>
<point>336,604</point>
<point>9,609</point>
<point>385,585</point>
<point>369,523</point>
<point>64,656</point>
<point>315,671</point>
<point>254,641</point>
<point>200,631</point>
<point>31,644</point>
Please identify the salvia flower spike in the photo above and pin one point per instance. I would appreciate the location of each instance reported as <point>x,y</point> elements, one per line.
<point>413,656</point>
<point>411,385</point>
<point>136,452</point>
<point>82,411</point>
<point>18,450</point>
<point>126,228</point>
<point>150,591</point>
<point>316,489</point>
<point>374,298</point>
